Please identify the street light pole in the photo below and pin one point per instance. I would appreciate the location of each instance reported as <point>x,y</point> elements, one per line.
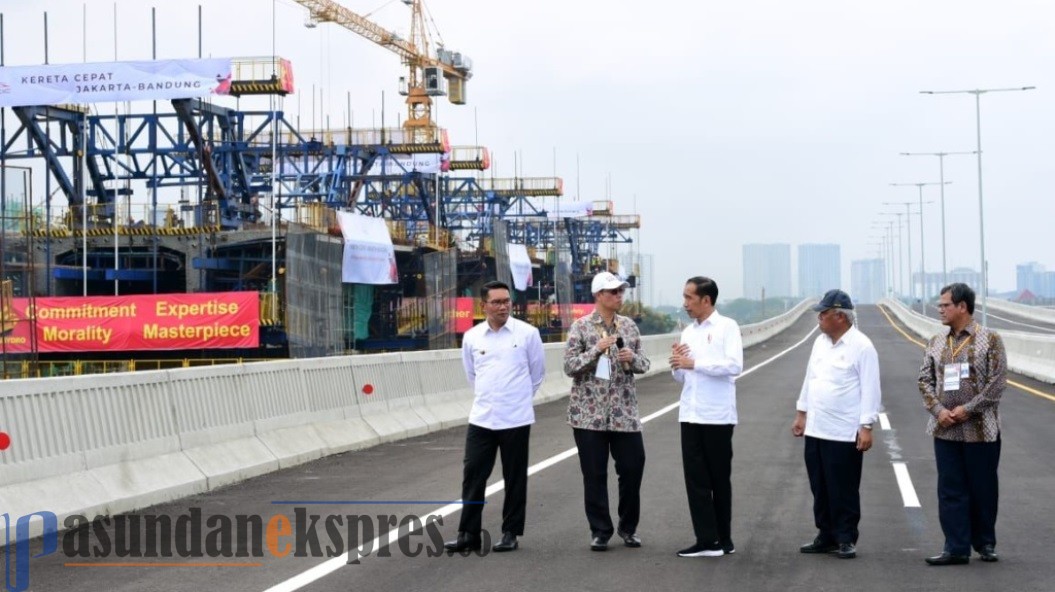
<point>890,245</point>
<point>900,256</point>
<point>978,92</point>
<point>908,241</point>
<point>887,228</point>
<point>941,171</point>
<point>922,251</point>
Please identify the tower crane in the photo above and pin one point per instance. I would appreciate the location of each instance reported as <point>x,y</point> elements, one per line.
<point>428,76</point>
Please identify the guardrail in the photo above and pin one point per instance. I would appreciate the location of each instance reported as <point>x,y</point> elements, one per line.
<point>1028,354</point>
<point>1034,313</point>
<point>105,444</point>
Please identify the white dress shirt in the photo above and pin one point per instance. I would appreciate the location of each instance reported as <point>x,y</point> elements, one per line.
<point>841,390</point>
<point>708,392</point>
<point>504,368</point>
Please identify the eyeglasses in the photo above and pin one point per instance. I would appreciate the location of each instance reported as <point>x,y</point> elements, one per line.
<point>502,302</point>
<point>615,291</point>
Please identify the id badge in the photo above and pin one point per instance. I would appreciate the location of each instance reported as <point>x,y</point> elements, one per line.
<point>952,377</point>
<point>604,368</point>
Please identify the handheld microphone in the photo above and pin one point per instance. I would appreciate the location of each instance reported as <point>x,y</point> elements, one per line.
<point>619,344</point>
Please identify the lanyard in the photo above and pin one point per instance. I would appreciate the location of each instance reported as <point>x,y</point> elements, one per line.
<point>956,352</point>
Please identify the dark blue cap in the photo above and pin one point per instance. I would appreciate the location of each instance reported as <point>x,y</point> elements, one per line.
<point>834,299</point>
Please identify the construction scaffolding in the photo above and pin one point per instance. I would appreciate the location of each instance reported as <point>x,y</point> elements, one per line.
<point>441,288</point>
<point>315,295</point>
<point>562,280</point>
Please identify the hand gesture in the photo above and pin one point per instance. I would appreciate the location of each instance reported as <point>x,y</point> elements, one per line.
<point>959,414</point>
<point>605,343</point>
<point>681,357</point>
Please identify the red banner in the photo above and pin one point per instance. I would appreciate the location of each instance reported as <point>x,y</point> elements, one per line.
<point>124,323</point>
<point>464,314</point>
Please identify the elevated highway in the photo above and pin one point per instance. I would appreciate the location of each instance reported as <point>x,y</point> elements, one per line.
<point>1009,316</point>
<point>771,512</point>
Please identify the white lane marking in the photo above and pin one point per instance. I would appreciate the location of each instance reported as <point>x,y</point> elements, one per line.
<point>1006,320</point>
<point>331,565</point>
<point>904,483</point>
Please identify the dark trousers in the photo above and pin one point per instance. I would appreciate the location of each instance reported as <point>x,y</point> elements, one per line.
<point>967,493</point>
<point>835,480</point>
<point>707,458</point>
<point>481,444</point>
<point>628,450</point>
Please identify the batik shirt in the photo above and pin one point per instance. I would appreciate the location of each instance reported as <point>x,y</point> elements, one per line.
<point>983,351</point>
<point>597,403</point>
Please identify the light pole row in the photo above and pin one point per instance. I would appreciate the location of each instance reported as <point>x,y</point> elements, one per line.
<point>941,175</point>
<point>978,92</point>
<point>922,257</point>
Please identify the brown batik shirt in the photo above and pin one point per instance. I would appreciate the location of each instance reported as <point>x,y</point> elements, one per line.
<point>983,350</point>
<point>596,403</point>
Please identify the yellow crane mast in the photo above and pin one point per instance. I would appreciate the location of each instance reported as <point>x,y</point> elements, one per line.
<point>443,74</point>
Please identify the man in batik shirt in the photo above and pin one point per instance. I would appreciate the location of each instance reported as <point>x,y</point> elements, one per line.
<point>602,355</point>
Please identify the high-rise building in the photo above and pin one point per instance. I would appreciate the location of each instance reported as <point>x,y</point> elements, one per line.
<point>767,268</point>
<point>868,280</point>
<point>819,269</point>
<point>965,275</point>
<point>1034,277</point>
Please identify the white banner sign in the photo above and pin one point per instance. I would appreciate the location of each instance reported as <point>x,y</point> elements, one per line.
<point>398,164</point>
<point>369,257</point>
<point>520,266</point>
<point>571,209</point>
<point>103,82</point>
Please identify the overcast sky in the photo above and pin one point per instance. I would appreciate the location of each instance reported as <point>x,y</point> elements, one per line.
<point>724,122</point>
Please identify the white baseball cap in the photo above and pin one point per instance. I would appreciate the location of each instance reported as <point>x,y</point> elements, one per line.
<point>607,281</point>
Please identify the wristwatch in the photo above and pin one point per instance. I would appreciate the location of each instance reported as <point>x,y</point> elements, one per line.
<point>867,426</point>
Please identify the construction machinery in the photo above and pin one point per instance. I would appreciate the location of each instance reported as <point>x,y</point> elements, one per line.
<point>427,76</point>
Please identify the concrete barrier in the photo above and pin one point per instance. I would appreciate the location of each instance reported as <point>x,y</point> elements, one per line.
<point>1029,354</point>
<point>105,444</point>
<point>1034,313</point>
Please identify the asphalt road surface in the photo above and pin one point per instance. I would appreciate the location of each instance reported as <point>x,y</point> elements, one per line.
<point>771,507</point>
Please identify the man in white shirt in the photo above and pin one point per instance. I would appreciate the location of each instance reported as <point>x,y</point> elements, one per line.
<point>837,406</point>
<point>706,361</point>
<point>505,365</point>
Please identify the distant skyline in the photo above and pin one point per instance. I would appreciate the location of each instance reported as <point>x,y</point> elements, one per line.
<point>721,124</point>
<point>868,280</point>
<point>767,271</point>
<point>819,269</point>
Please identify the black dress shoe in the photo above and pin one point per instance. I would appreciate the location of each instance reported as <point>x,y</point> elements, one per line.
<point>599,543</point>
<point>988,553</point>
<point>846,551</point>
<point>508,543</point>
<point>818,546</point>
<point>630,539</point>
<point>948,559</point>
<point>464,542</point>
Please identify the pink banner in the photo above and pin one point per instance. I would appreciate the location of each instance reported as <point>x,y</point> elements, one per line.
<point>125,323</point>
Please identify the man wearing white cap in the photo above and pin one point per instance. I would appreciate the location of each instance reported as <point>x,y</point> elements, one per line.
<point>602,355</point>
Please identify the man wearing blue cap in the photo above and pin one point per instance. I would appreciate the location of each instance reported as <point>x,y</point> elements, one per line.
<point>837,406</point>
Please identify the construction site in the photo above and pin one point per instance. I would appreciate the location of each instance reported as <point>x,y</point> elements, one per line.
<point>88,212</point>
